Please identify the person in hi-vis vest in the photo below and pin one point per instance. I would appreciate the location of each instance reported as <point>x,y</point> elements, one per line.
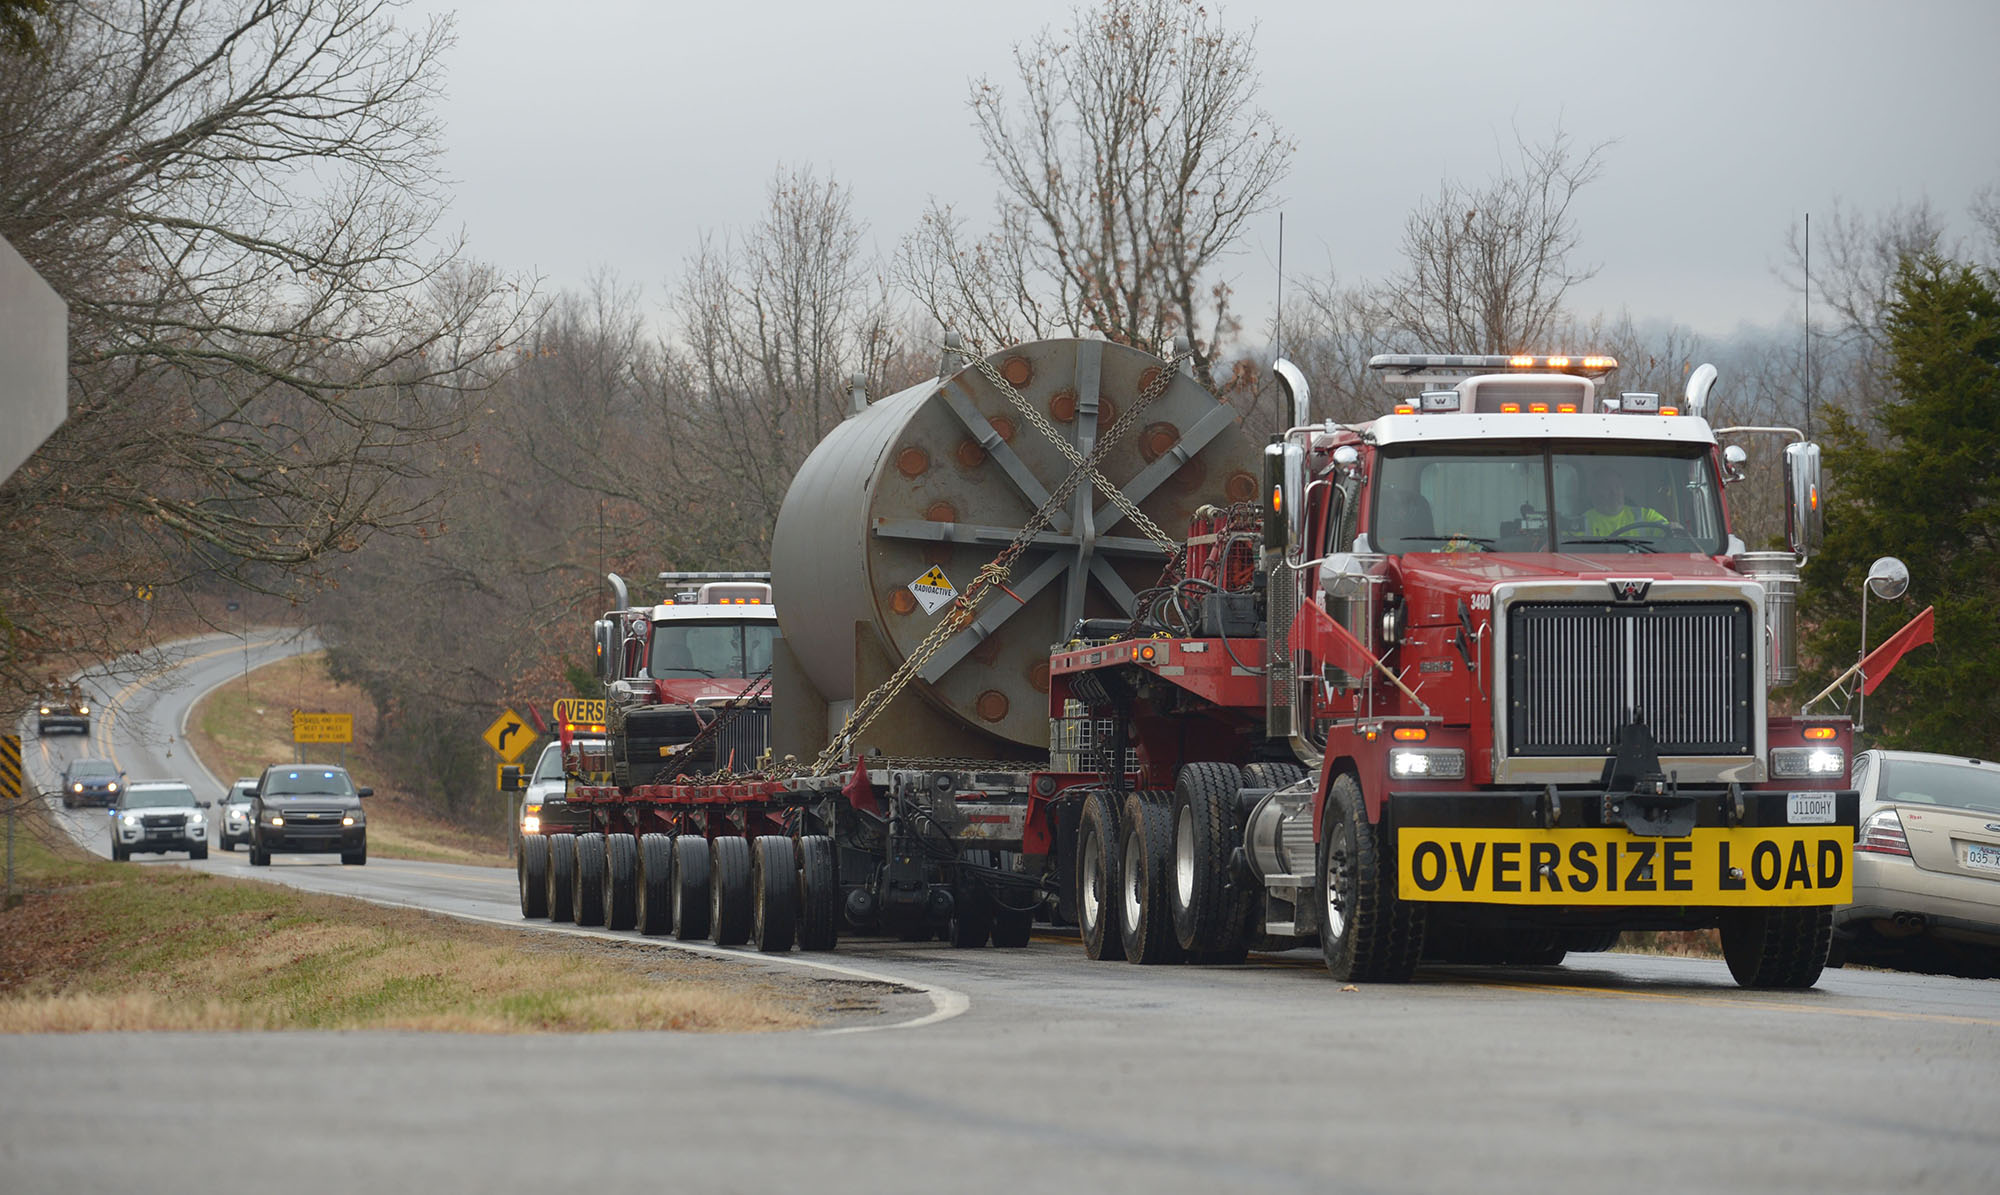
<point>1609,513</point>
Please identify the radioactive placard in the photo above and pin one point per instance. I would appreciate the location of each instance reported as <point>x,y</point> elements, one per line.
<point>933,590</point>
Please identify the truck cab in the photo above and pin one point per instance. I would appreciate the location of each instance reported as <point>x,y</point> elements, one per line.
<point>1521,666</point>
<point>687,679</point>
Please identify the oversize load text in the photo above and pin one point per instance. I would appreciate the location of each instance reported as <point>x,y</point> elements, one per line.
<point>1803,865</point>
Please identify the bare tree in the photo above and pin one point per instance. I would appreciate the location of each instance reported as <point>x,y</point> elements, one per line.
<point>1128,168</point>
<point>1486,269</point>
<point>237,200</point>
<point>772,327</point>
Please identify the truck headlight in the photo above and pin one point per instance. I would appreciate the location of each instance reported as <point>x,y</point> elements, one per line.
<point>277,819</point>
<point>130,819</point>
<point>1794,763</point>
<point>348,820</point>
<point>531,824</point>
<point>1426,763</point>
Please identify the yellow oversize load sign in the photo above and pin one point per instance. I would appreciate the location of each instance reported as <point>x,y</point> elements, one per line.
<point>322,728</point>
<point>1765,865</point>
<point>580,709</point>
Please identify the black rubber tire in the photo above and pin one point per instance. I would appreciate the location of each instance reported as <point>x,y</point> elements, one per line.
<point>1379,938</point>
<point>1097,879</point>
<point>1012,928</point>
<point>732,906</point>
<point>653,893</point>
<point>228,843</point>
<point>119,854</point>
<point>1145,874</point>
<point>587,901</point>
<point>971,918</point>
<point>259,857</point>
<point>532,870</point>
<point>1271,775</point>
<point>562,877</point>
<point>1777,947</point>
<point>819,893</point>
<point>200,852</point>
<point>1537,947</point>
<point>356,858</point>
<point>1591,941</point>
<point>621,881</point>
<point>1209,911</point>
<point>690,887</point>
<point>774,881</point>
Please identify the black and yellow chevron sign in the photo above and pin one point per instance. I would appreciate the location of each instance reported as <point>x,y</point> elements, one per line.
<point>10,767</point>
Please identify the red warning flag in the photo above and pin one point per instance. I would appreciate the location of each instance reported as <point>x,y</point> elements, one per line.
<point>1314,630</point>
<point>1876,667</point>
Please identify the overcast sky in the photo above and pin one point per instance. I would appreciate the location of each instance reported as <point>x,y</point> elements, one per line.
<point>595,134</point>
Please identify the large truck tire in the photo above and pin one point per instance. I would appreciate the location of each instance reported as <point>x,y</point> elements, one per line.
<point>971,917</point>
<point>1591,941</point>
<point>690,887</point>
<point>259,857</point>
<point>532,869</point>
<point>1145,875</point>
<point>1097,879</point>
<point>587,899</point>
<point>1012,928</point>
<point>732,905</point>
<point>562,877</point>
<point>819,894</point>
<point>621,881</point>
<point>774,879</point>
<point>1777,947</point>
<point>654,891</point>
<point>1366,933</point>
<point>1209,912</point>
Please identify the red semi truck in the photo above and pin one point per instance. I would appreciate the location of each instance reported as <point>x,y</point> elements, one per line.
<point>1485,679</point>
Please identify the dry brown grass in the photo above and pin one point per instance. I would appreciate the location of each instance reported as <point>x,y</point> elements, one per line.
<point>102,946</point>
<point>245,725</point>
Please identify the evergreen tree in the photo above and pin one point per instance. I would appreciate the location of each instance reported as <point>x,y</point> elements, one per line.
<point>1921,481</point>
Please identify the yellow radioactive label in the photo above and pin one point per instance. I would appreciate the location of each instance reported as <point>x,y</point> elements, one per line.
<point>1769,865</point>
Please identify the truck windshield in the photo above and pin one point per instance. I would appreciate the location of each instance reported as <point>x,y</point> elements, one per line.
<point>550,766</point>
<point>1495,496</point>
<point>683,650</point>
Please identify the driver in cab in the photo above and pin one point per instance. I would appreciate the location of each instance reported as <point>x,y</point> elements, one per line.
<point>1608,512</point>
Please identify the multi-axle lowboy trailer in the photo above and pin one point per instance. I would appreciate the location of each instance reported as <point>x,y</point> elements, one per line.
<point>1483,680</point>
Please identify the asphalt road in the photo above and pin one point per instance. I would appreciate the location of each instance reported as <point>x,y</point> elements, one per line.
<point>1037,1070</point>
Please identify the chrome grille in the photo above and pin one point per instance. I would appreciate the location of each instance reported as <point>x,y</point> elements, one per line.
<point>1577,672</point>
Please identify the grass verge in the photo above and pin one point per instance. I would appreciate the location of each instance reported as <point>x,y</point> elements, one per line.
<point>247,724</point>
<point>106,946</point>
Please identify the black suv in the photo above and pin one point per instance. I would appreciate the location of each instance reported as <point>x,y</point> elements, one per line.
<point>63,711</point>
<point>304,808</point>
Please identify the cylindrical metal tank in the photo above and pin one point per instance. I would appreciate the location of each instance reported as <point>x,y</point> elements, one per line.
<point>1778,573</point>
<point>943,475</point>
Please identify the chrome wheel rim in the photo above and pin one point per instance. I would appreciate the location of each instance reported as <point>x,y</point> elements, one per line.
<point>1184,858</point>
<point>1132,881</point>
<point>1090,895</point>
<point>1339,869</point>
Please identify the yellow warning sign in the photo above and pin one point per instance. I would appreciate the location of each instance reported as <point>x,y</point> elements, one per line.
<point>933,590</point>
<point>322,728</point>
<point>509,736</point>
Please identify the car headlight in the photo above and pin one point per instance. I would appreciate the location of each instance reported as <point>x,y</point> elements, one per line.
<point>45,709</point>
<point>197,819</point>
<point>113,786</point>
<point>277,819</point>
<point>348,820</point>
<point>1794,763</point>
<point>130,819</point>
<point>82,709</point>
<point>76,788</point>
<point>1427,763</point>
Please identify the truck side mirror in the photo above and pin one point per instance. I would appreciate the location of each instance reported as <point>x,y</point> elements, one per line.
<point>510,779</point>
<point>1804,525</point>
<point>607,655</point>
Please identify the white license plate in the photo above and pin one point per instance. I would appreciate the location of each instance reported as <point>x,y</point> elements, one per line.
<point>1809,809</point>
<point>1986,858</point>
